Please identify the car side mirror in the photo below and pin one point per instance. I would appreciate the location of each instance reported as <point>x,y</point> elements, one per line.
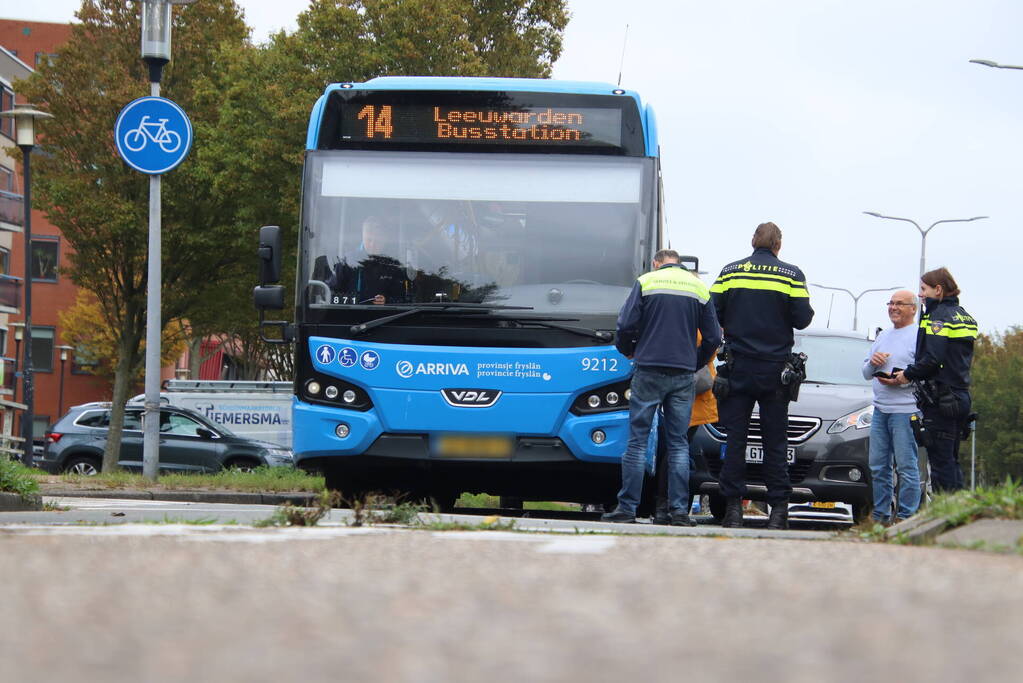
<point>204,433</point>
<point>269,255</point>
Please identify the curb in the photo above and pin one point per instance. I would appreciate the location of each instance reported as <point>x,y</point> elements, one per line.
<point>13,502</point>
<point>917,530</point>
<point>229,497</point>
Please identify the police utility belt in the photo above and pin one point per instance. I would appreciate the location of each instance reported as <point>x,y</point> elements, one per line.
<point>793,374</point>
<point>932,394</point>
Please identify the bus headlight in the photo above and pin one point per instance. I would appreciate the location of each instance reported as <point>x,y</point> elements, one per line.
<point>342,430</point>
<point>612,398</point>
<point>593,401</point>
<point>605,399</point>
<point>312,387</point>
<point>598,436</point>
<point>349,396</point>
<point>331,392</point>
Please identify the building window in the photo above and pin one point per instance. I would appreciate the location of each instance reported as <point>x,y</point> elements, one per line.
<point>83,362</point>
<point>44,259</point>
<point>3,342</point>
<point>6,104</point>
<point>42,349</point>
<point>5,261</point>
<point>45,58</point>
<point>6,178</point>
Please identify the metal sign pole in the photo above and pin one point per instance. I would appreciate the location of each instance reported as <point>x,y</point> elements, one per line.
<point>151,422</point>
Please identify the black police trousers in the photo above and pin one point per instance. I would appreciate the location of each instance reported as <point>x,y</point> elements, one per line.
<point>755,382</point>
<point>943,435</point>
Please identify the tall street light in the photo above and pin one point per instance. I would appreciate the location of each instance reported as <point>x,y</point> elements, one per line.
<point>156,53</point>
<point>855,298</point>
<point>25,123</point>
<point>923,233</point>
<point>996,65</point>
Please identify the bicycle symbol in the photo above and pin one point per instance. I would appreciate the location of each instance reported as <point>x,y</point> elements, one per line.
<point>137,138</point>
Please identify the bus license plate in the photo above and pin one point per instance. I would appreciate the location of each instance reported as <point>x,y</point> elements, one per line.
<point>823,505</point>
<point>755,455</point>
<point>465,446</point>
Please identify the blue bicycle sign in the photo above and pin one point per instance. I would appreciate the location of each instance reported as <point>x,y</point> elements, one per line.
<point>136,139</point>
<point>153,135</point>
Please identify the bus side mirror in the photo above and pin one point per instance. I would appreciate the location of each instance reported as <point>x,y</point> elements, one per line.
<point>692,263</point>
<point>268,298</point>
<point>269,255</point>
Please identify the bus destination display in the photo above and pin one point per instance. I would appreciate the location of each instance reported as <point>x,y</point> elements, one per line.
<point>526,126</point>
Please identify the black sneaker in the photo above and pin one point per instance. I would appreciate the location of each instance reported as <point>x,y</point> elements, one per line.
<point>619,516</point>
<point>682,519</point>
<point>733,514</point>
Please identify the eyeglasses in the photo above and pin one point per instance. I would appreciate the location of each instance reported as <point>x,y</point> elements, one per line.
<point>899,303</point>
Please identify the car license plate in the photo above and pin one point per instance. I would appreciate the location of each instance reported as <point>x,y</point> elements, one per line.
<point>473,446</point>
<point>755,455</point>
<point>823,505</point>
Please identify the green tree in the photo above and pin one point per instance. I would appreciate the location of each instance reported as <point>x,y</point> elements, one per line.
<point>253,151</point>
<point>997,377</point>
<point>101,205</point>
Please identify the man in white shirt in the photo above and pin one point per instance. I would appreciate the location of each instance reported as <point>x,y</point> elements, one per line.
<point>891,432</point>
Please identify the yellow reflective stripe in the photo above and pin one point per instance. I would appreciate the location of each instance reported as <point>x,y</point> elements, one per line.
<point>772,276</point>
<point>950,330</point>
<point>659,282</point>
<point>795,291</point>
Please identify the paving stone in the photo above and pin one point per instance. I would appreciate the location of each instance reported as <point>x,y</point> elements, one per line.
<point>991,532</point>
<point>920,531</point>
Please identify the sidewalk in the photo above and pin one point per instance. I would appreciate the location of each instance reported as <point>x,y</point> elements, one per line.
<point>63,490</point>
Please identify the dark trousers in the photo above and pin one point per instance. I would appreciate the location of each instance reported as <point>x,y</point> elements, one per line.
<point>755,382</point>
<point>943,445</point>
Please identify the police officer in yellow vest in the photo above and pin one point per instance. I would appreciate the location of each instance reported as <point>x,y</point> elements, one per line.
<point>657,329</point>
<point>759,300</point>
<point>941,370</point>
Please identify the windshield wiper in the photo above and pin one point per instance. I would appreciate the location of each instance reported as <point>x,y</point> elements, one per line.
<point>432,308</point>
<point>599,335</point>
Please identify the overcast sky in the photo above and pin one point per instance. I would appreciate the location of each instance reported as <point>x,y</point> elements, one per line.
<point>807,113</point>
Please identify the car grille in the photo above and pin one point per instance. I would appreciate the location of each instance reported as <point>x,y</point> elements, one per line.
<point>799,430</point>
<point>755,472</point>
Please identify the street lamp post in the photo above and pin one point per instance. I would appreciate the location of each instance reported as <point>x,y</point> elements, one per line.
<point>923,233</point>
<point>25,124</point>
<point>19,330</point>
<point>156,53</point>
<point>63,359</point>
<point>996,65</point>
<point>855,298</point>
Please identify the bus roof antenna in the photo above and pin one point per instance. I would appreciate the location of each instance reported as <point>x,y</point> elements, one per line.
<point>621,64</point>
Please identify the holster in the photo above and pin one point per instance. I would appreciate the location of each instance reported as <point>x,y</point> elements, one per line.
<point>948,406</point>
<point>926,394</point>
<point>920,434</point>
<point>721,387</point>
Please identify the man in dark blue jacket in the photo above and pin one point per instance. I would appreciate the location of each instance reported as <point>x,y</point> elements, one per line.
<point>759,300</point>
<point>657,330</point>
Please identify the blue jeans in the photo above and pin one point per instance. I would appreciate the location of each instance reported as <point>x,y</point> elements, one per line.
<point>674,394</point>
<point>891,434</point>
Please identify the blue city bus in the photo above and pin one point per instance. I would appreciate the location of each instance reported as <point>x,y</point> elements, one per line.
<point>465,246</point>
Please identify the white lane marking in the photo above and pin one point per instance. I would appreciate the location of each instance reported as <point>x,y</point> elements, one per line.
<point>590,545</point>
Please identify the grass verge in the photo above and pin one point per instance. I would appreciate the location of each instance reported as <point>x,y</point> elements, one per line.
<point>16,478</point>
<point>962,507</point>
<point>485,500</point>
<point>262,479</point>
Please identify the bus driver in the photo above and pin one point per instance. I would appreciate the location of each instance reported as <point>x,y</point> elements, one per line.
<point>372,276</point>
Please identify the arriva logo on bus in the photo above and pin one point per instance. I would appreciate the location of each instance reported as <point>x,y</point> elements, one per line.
<point>406,369</point>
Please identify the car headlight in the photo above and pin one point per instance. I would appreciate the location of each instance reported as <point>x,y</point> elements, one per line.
<point>858,419</point>
<point>279,454</point>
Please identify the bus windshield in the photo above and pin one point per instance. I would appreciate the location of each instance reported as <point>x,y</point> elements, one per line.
<point>554,233</point>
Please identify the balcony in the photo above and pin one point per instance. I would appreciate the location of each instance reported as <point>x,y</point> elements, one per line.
<point>7,379</point>
<point>12,211</point>
<point>10,293</point>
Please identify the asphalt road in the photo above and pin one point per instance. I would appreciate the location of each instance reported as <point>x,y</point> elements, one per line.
<point>153,603</point>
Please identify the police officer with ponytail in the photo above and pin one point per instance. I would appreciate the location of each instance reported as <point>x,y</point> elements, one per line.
<point>941,371</point>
